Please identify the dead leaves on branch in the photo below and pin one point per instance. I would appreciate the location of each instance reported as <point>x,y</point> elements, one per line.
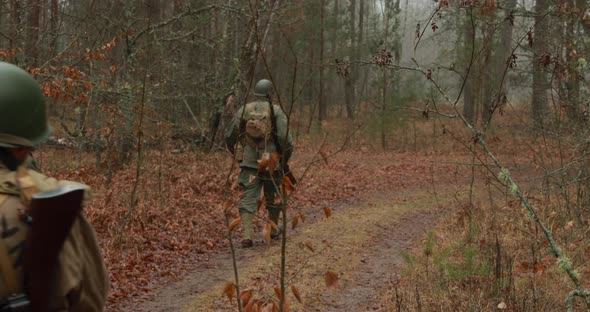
<point>270,307</point>
<point>294,223</point>
<point>234,223</point>
<point>245,296</point>
<point>251,304</point>
<point>273,162</point>
<point>227,205</point>
<point>268,162</point>
<point>273,225</point>
<point>287,186</point>
<point>277,292</point>
<point>266,232</point>
<point>263,163</point>
<point>286,304</point>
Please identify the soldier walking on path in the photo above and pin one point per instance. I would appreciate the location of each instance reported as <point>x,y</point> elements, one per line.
<point>258,133</point>
<point>51,263</point>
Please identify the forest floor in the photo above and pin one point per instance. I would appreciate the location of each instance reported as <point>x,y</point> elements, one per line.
<point>403,223</point>
<point>396,199</point>
<point>362,243</point>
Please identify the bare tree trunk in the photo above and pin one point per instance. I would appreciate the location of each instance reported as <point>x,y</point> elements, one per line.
<point>469,92</point>
<point>495,93</point>
<point>385,79</point>
<point>540,105</point>
<point>321,104</point>
<point>349,87</point>
<point>33,30</point>
<point>54,24</point>
<point>573,82</point>
<point>359,44</point>
<point>488,70</point>
<point>15,6</point>
<point>310,90</point>
<point>336,24</point>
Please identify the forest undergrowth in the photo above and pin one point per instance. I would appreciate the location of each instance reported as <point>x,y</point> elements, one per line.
<point>503,264</point>
<point>177,220</point>
<point>491,253</point>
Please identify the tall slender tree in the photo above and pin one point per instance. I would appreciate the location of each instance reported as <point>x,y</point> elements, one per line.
<point>349,80</point>
<point>322,101</point>
<point>469,103</point>
<point>540,104</point>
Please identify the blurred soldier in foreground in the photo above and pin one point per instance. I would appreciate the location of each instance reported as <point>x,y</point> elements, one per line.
<point>49,256</point>
<point>258,135</point>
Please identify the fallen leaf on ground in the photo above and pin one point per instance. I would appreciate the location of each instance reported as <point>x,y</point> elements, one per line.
<point>328,212</point>
<point>296,293</point>
<point>309,246</point>
<point>331,279</point>
<point>295,222</point>
<point>324,156</point>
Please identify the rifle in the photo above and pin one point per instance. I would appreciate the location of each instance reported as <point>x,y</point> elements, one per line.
<point>53,214</point>
<point>273,121</point>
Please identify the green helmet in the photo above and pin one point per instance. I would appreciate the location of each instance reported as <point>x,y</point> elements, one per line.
<point>23,119</point>
<point>263,88</point>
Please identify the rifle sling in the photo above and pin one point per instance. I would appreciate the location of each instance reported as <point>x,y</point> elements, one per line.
<point>6,266</point>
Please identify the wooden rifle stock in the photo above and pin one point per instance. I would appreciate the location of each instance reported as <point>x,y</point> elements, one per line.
<point>53,214</point>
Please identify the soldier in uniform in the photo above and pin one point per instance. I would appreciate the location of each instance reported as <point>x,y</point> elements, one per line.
<point>253,136</point>
<point>81,280</point>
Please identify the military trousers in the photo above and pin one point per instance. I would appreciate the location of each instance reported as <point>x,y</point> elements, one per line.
<point>253,184</point>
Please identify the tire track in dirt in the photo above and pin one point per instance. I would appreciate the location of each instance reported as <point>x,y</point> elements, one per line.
<point>381,264</point>
<point>385,225</point>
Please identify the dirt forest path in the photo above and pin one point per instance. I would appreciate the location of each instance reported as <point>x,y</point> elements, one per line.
<point>363,242</point>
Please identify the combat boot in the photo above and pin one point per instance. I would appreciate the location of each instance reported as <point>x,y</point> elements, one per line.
<point>247,219</point>
<point>273,215</point>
